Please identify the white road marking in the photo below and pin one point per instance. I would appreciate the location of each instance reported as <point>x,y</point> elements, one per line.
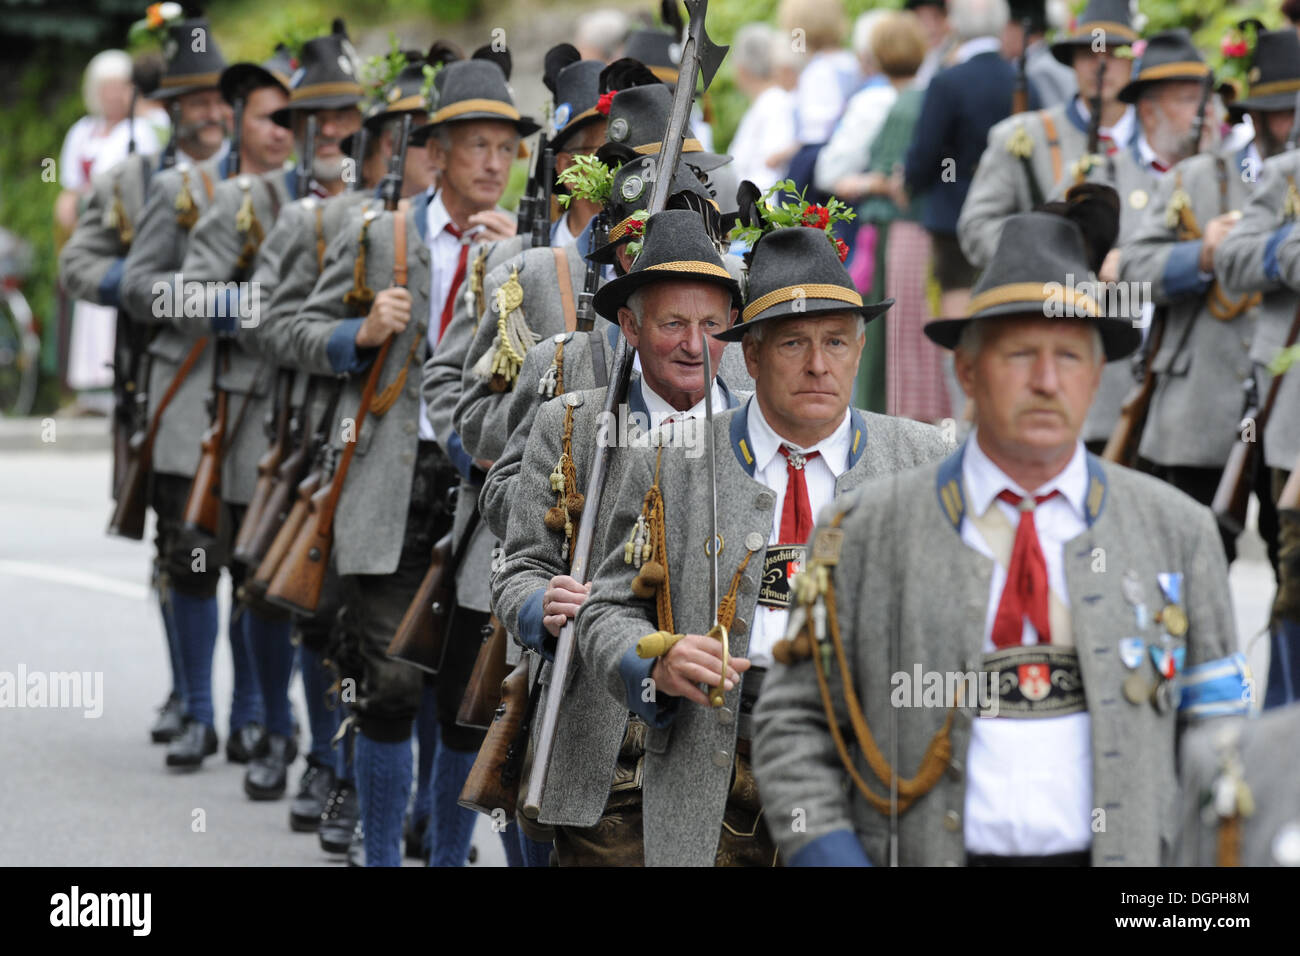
<point>82,579</point>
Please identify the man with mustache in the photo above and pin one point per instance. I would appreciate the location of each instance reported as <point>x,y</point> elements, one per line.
<point>133,210</point>
<point>384,523</point>
<point>1206,352</point>
<point>225,250</point>
<point>792,448</point>
<point>1052,606</point>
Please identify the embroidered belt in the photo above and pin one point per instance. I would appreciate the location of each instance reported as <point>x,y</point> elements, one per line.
<point>1031,681</point>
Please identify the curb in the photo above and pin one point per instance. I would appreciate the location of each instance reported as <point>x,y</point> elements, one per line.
<point>68,434</point>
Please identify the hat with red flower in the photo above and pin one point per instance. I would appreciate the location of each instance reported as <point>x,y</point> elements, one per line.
<point>1274,76</point>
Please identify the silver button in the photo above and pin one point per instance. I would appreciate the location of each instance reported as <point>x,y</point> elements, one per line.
<point>951,821</point>
<point>954,769</point>
<point>408,427</point>
<point>753,541</point>
<point>765,501</point>
<point>738,626</point>
<point>559,339</point>
<point>726,716</point>
<point>721,759</point>
<point>573,399</point>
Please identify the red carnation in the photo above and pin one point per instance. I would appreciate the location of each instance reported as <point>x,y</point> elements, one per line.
<point>603,104</point>
<point>816,216</point>
<point>842,248</point>
<point>1233,46</point>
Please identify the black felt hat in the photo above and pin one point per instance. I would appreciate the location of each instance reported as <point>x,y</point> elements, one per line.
<point>402,95</point>
<point>1274,73</point>
<point>194,60</point>
<point>657,49</point>
<point>1040,262</point>
<point>326,78</point>
<point>473,89</point>
<point>276,71</point>
<point>1111,17</point>
<point>638,119</point>
<point>575,85</point>
<point>630,193</point>
<point>676,248</point>
<point>796,272</point>
<point>1169,55</point>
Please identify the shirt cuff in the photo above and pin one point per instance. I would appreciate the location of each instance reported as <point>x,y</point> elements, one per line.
<point>1183,275</point>
<point>837,848</point>
<point>532,632</point>
<point>341,349</point>
<point>455,450</point>
<point>658,712</point>
<point>1272,269</point>
<point>111,284</point>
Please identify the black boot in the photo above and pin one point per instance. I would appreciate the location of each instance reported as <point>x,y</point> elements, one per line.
<point>314,787</point>
<point>246,743</point>
<point>268,775</point>
<point>339,818</point>
<point>196,741</point>
<point>170,722</point>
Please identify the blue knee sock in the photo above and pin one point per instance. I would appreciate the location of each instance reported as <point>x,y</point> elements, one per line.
<point>452,826</point>
<point>246,699</point>
<point>533,853</point>
<point>1283,664</point>
<point>383,781</point>
<point>196,630</point>
<point>173,645</point>
<point>426,735</point>
<point>273,655</point>
<point>323,721</point>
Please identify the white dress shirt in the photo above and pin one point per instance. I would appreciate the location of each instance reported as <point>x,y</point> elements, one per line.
<point>849,149</point>
<point>1029,782</point>
<point>660,410</point>
<point>820,475</point>
<point>560,234</point>
<point>1121,134</point>
<point>766,128</point>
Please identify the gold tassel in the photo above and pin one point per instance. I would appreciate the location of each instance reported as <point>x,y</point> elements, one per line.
<point>117,218</point>
<point>1291,205</point>
<point>360,297</point>
<point>187,214</point>
<point>569,500</point>
<point>246,221</point>
<point>500,365</point>
<point>649,542</point>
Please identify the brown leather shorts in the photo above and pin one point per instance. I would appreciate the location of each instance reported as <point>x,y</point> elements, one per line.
<point>744,840</point>
<point>617,837</point>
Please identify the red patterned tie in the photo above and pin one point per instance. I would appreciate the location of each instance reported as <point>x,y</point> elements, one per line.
<point>1025,593</point>
<point>457,278</point>
<point>796,513</point>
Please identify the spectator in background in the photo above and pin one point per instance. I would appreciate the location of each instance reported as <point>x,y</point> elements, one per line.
<point>95,144</point>
<point>1052,79</point>
<point>940,41</point>
<point>764,140</point>
<point>825,83</point>
<point>600,34</point>
<point>850,144</point>
<point>961,103</point>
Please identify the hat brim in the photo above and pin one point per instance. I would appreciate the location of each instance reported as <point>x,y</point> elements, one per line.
<point>1063,50</point>
<point>702,160</point>
<point>1131,92</point>
<point>525,125</point>
<point>1265,104</point>
<point>1119,338</point>
<point>284,117</point>
<point>563,136</point>
<point>232,77</point>
<point>613,295</point>
<point>171,92</point>
<point>810,309</point>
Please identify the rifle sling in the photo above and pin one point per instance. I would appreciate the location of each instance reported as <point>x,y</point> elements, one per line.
<point>1053,145</point>
<point>367,393</point>
<point>178,380</point>
<point>565,282</point>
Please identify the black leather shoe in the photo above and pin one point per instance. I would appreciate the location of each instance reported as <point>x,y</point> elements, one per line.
<point>339,818</point>
<point>246,743</point>
<point>170,722</point>
<point>314,788</point>
<point>196,741</point>
<point>357,848</point>
<point>413,832</point>
<point>268,775</point>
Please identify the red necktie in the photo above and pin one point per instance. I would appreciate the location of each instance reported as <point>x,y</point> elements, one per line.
<point>1025,593</point>
<point>796,513</point>
<point>457,278</point>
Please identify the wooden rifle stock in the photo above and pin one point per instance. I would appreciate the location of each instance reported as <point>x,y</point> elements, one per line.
<point>275,509</point>
<point>203,506</point>
<point>493,781</point>
<point>420,639</point>
<point>1233,493</point>
<point>1020,94</point>
<point>287,533</point>
<point>133,496</point>
<point>483,692</point>
<point>1122,446</point>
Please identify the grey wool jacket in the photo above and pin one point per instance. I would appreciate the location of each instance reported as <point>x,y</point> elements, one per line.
<point>91,262</point>
<point>1262,254</point>
<point>150,294</point>
<point>219,245</point>
<point>689,750</point>
<point>1202,360</point>
<point>904,575</point>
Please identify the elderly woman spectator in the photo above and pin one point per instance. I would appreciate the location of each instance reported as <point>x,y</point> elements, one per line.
<point>831,76</point>
<point>764,140</point>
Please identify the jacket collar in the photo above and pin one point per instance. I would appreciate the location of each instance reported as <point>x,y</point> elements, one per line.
<point>636,398</point>
<point>420,210</point>
<point>952,499</point>
<point>740,440</point>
